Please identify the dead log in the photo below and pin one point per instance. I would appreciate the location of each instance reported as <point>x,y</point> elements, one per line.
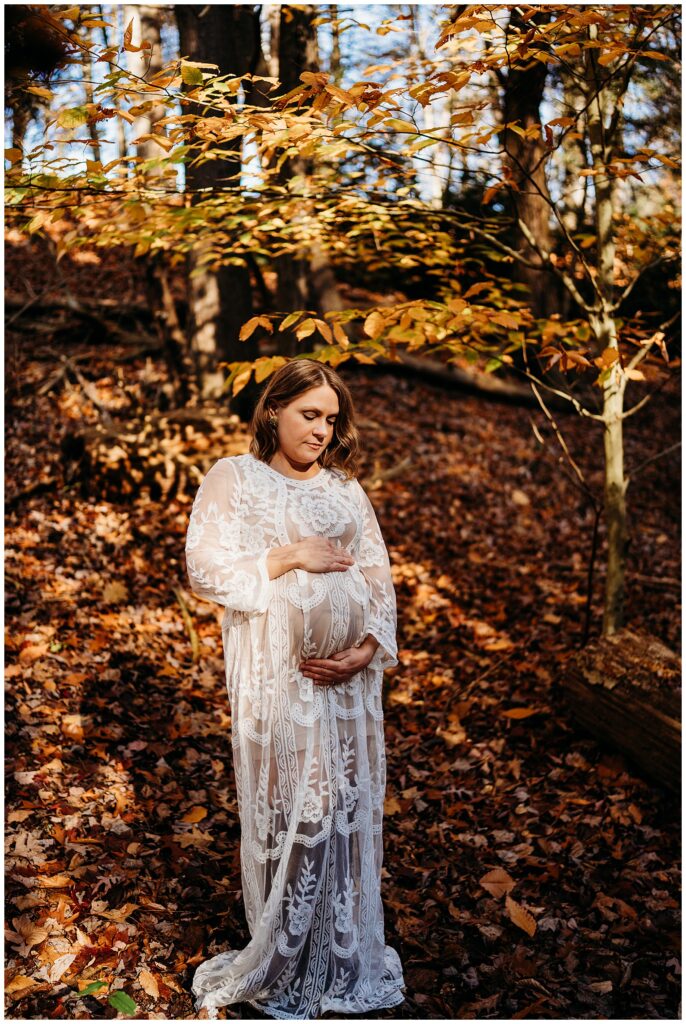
<point>625,690</point>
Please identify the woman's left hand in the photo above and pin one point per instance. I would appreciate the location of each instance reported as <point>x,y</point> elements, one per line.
<point>340,667</point>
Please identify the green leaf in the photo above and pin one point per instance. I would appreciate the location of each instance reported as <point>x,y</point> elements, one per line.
<point>493,364</point>
<point>191,76</point>
<point>94,986</point>
<point>122,1002</point>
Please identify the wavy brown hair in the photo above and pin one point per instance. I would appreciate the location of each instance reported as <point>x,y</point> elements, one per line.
<point>291,380</point>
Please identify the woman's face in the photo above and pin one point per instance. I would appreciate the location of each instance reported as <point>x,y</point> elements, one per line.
<point>306,425</point>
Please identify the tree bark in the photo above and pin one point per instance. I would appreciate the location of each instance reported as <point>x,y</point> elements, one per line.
<point>220,301</point>
<point>147,20</point>
<point>605,332</point>
<point>304,280</point>
<point>525,157</point>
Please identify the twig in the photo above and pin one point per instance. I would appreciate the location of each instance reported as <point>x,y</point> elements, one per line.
<point>653,458</point>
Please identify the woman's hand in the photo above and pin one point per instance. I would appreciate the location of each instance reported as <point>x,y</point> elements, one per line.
<point>342,666</point>
<point>320,554</point>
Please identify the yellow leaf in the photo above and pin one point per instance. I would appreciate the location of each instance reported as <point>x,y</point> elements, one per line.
<point>240,380</point>
<point>40,90</point>
<point>324,330</point>
<point>128,33</point>
<point>607,357</point>
<point>451,737</point>
<point>19,985</point>
<point>13,155</point>
<point>339,94</point>
<point>248,328</point>
<point>519,916</point>
<point>520,712</point>
<point>55,881</point>
<point>399,125</point>
<point>340,335</point>
<point>263,369</point>
<point>391,805</point>
<point>161,140</point>
<point>304,329</point>
<point>374,324</point>
<point>505,319</point>
<point>69,12</point>
<point>655,54</point>
<point>195,814</point>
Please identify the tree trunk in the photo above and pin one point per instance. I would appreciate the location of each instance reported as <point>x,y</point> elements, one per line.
<point>146,26</point>
<point>297,52</point>
<point>522,98</point>
<point>605,332</point>
<point>436,157</point>
<point>94,153</point>
<point>220,300</point>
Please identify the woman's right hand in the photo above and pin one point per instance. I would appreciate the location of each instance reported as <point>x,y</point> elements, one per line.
<point>321,554</point>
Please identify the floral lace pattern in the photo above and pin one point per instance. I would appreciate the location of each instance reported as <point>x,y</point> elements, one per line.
<point>309,760</point>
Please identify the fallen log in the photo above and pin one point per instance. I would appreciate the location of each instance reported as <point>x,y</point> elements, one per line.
<point>625,689</point>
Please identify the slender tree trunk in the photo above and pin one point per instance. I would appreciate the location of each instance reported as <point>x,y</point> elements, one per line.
<point>89,96</point>
<point>220,301</point>
<point>436,156</point>
<point>146,63</point>
<point>605,331</point>
<point>122,143</point>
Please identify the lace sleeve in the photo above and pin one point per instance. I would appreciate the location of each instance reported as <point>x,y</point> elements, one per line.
<point>226,554</point>
<point>373,560</point>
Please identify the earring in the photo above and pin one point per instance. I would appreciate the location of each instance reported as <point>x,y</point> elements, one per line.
<point>272,422</point>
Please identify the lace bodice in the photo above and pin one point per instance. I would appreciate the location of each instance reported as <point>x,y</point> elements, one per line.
<point>244,507</point>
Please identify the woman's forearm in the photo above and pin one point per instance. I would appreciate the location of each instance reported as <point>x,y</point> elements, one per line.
<point>282,559</point>
<point>371,642</point>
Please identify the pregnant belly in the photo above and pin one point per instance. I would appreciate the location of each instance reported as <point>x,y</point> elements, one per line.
<point>330,613</point>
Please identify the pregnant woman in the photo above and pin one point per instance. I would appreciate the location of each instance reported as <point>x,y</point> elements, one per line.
<point>286,539</point>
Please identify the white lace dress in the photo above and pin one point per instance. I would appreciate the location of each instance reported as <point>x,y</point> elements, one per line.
<point>309,760</point>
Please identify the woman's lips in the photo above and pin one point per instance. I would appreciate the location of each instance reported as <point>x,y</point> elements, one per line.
<point>312,445</point>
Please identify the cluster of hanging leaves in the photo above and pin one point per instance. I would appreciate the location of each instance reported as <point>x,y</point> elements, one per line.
<point>367,129</point>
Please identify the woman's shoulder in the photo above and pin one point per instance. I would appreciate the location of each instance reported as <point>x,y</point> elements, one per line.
<point>349,484</point>
<point>228,467</point>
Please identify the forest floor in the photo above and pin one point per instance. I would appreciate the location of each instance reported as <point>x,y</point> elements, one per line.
<point>122,827</point>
